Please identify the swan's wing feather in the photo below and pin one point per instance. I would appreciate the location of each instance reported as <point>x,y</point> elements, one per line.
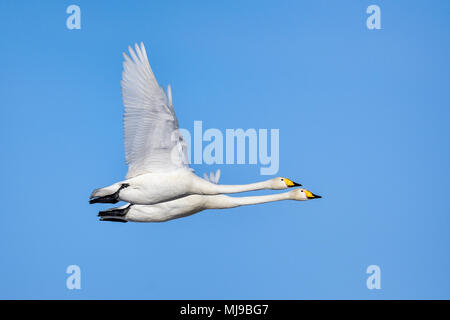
<point>153,142</point>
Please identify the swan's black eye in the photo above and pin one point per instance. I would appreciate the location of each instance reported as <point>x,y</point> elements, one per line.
<point>302,190</point>
<point>282,179</point>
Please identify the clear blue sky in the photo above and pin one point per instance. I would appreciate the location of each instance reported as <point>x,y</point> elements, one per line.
<point>363,117</point>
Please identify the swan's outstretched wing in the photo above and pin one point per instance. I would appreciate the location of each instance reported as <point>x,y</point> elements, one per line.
<point>153,142</point>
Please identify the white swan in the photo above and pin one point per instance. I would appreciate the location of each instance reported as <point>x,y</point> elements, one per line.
<point>189,205</point>
<point>155,149</point>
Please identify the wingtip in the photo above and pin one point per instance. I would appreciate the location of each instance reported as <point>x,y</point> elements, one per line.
<point>169,94</point>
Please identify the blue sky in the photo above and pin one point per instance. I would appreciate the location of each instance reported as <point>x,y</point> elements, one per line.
<point>363,118</point>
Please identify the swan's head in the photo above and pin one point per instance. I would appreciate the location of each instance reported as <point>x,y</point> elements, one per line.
<point>281,183</point>
<point>303,194</point>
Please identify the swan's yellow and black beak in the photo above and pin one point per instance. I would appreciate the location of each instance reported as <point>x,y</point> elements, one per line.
<point>291,183</point>
<point>311,195</point>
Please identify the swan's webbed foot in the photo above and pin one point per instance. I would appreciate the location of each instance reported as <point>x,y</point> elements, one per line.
<point>111,198</point>
<point>114,214</point>
<point>113,220</point>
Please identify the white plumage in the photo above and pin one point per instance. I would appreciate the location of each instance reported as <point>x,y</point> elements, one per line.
<point>155,151</point>
<point>153,142</point>
<point>189,205</point>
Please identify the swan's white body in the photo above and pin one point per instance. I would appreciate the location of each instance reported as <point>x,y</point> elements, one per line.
<point>189,205</point>
<point>154,147</point>
<point>151,188</point>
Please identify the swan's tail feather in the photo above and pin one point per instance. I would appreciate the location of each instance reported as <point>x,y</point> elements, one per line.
<point>107,195</point>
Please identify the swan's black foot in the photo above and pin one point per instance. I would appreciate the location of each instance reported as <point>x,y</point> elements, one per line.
<point>113,220</point>
<point>115,212</point>
<point>111,198</point>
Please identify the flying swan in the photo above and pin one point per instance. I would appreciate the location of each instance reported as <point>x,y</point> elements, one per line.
<point>189,205</point>
<point>155,150</point>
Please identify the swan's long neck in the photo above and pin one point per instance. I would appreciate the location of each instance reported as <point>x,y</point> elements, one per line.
<point>207,187</point>
<point>223,201</point>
